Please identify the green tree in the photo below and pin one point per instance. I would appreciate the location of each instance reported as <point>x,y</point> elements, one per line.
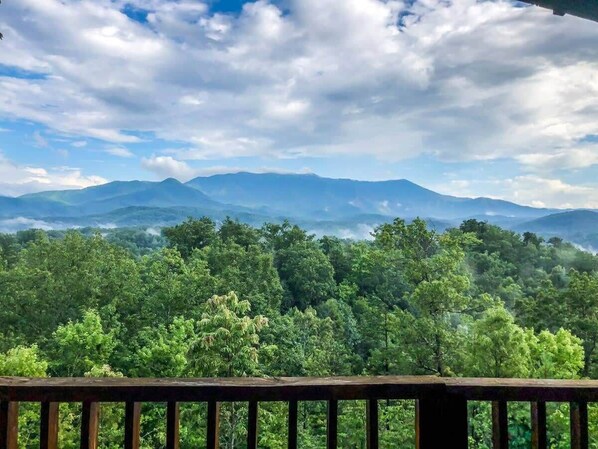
<point>242,234</point>
<point>306,275</point>
<point>191,234</point>
<point>163,351</point>
<point>556,356</point>
<point>227,339</point>
<point>247,270</point>
<point>174,287</point>
<point>23,361</point>
<point>78,347</point>
<point>497,347</point>
<point>581,317</point>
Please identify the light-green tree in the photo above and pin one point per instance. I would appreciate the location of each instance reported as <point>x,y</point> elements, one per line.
<point>79,347</point>
<point>227,339</point>
<point>497,347</point>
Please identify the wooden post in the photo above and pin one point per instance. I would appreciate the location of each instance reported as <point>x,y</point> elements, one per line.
<point>441,421</point>
<point>48,425</point>
<point>9,425</point>
<point>500,425</point>
<point>252,425</point>
<point>172,425</point>
<point>90,422</point>
<point>213,435</point>
<point>292,442</point>
<point>428,424</point>
<point>538,419</point>
<point>332,425</point>
<point>579,425</point>
<point>372,424</point>
<point>132,424</point>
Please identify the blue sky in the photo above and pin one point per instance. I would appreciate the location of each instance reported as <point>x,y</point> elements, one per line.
<point>464,97</point>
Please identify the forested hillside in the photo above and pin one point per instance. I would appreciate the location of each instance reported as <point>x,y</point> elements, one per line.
<point>233,300</point>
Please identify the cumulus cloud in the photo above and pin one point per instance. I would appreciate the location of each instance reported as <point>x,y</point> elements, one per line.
<point>19,179</point>
<point>168,167</point>
<point>461,80</point>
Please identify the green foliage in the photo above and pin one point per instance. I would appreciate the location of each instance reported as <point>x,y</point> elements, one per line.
<point>497,347</point>
<point>233,300</point>
<point>23,361</point>
<point>82,346</point>
<point>228,341</point>
<point>191,234</point>
<point>306,274</point>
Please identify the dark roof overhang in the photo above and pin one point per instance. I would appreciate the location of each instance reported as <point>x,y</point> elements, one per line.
<point>588,9</point>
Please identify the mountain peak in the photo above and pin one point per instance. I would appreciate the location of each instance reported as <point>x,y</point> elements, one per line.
<point>171,181</point>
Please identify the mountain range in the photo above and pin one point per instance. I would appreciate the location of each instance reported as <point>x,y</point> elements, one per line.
<point>324,205</point>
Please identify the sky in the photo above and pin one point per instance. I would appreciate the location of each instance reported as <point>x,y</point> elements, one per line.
<point>465,97</point>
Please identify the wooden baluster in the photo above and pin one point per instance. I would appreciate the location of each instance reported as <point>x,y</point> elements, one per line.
<point>538,418</point>
<point>372,424</point>
<point>172,425</point>
<point>332,425</point>
<point>252,425</point>
<point>579,425</point>
<point>213,435</point>
<point>90,423</point>
<point>48,425</point>
<point>132,424</point>
<point>500,425</point>
<point>292,442</point>
<point>9,424</point>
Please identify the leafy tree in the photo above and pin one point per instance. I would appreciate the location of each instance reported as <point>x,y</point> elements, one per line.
<point>303,344</point>
<point>240,233</point>
<point>581,313</point>
<point>23,361</point>
<point>556,356</point>
<point>339,253</point>
<point>249,271</point>
<point>306,275</point>
<point>79,347</point>
<point>191,234</point>
<point>277,237</point>
<point>163,351</point>
<point>227,340</point>
<point>497,347</point>
<point>174,287</point>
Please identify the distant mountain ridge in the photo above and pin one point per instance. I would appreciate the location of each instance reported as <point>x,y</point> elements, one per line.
<point>331,205</point>
<point>289,195</point>
<point>309,195</point>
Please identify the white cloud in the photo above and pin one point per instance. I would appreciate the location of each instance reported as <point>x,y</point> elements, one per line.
<point>571,158</point>
<point>168,167</point>
<point>462,80</point>
<point>79,144</point>
<point>19,179</point>
<point>119,152</point>
<point>531,190</point>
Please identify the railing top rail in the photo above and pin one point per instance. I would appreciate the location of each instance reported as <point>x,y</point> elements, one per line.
<point>291,388</point>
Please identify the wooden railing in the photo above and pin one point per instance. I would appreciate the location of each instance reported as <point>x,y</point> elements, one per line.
<point>441,405</point>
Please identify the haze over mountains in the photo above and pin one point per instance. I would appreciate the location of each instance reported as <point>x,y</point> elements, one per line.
<point>341,206</point>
